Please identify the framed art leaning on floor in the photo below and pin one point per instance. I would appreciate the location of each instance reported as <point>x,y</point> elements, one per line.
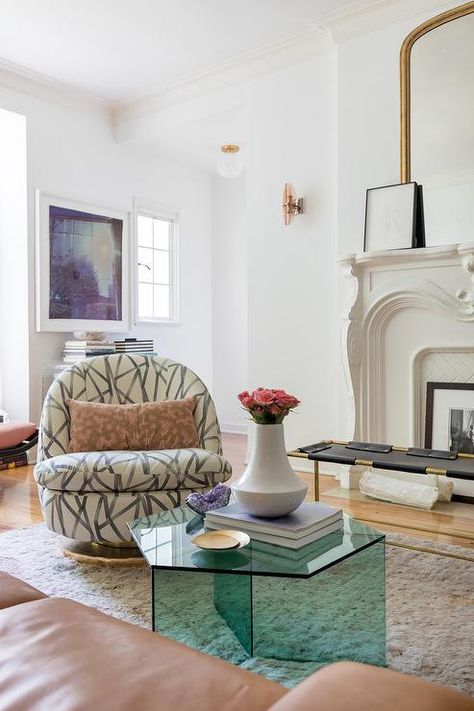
<point>81,266</point>
<point>449,422</point>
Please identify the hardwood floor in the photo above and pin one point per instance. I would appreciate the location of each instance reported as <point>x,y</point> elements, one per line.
<point>19,504</point>
<point>446,523</point>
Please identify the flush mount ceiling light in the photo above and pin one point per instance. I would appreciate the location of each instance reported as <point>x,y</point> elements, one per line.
<point>230,164</point>
<point>291,204</point>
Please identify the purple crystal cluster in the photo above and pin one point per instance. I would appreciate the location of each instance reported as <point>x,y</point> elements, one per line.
<point>214,499</point>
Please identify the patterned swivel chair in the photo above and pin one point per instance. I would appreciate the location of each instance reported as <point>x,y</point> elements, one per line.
<point>90,496</point>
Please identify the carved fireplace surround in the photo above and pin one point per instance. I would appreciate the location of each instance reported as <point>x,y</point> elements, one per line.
<point>407,317</point>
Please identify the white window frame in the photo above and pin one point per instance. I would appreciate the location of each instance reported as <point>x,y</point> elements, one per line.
<point>163,212</point>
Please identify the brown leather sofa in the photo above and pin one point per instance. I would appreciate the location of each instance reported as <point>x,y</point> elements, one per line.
<point>58,655</point>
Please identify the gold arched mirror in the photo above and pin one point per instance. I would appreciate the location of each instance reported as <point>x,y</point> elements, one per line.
<point>437,122</point>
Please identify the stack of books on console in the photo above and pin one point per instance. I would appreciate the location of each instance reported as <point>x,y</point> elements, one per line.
<point>75,351</point>
<point>135,345</point>
<point>309,523</point>
<point>13,460</point>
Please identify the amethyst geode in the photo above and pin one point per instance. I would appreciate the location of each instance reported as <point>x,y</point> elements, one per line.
<point>214,499</point>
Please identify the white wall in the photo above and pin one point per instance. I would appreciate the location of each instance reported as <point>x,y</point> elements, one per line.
<point>14,383</point>
<point>230,306</point>
<point>288,273</point>
<point>74,155</point>
<point>330,126</point>
<point>293,326</point>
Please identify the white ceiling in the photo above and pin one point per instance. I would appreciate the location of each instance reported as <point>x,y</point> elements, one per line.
<point>124,49</point>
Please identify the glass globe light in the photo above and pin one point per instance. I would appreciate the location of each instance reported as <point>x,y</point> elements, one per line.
<point>230,164</point>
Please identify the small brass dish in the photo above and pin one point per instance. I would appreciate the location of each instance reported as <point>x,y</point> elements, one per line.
<point>221,540</point>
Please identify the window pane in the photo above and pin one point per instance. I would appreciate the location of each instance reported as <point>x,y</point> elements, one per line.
<point>162,302</point>
<point>162,234</point>
<point>145,301</point>
<point>145,264</point>
<point>161,273</point>
<point>145,231</point>
<point>154,274</point>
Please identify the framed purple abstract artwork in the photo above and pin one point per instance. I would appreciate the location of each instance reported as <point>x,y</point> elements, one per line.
<point>82,266</point>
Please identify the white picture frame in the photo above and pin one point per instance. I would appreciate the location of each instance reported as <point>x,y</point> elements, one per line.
<point>113,248</point>
<point>390,217</point>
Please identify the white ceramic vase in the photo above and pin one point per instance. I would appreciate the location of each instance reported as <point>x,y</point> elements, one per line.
<point>269,487</point>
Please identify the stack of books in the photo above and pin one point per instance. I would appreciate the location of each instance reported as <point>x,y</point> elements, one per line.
<point>13,460</point>
<point>75,351</point>
<point>307,524</point>
<point>292,559</point>
<point>135,345</point>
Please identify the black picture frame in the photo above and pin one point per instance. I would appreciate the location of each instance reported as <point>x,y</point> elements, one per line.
<point>431,388</point>
<point>394,217</point>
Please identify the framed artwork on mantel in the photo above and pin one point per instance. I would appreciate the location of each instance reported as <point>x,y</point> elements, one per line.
<point>449,422</point>
<point>81,266</point>
<point>394,217</point>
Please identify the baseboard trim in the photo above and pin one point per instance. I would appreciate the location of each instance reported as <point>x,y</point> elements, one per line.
<point>306,466</point>
<point>233,428</point>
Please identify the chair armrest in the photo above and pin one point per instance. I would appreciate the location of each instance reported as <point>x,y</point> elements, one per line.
<point>359,687</point>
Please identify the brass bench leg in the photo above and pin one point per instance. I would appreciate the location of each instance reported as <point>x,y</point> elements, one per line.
<point>316,480</point>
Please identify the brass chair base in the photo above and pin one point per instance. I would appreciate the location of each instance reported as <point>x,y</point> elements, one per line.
<point>91,552</point>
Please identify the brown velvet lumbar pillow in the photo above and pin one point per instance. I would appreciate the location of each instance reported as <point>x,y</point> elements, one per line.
<point>96,427</point>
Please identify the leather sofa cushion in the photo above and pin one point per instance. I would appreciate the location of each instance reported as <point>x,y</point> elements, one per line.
<point>58,654</point>
<point>133,471</point>
<point>347,686</point>
<point>15,592</point>
<point>96,426</point>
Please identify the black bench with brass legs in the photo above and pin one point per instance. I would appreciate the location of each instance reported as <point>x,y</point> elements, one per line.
<point>389,457</point>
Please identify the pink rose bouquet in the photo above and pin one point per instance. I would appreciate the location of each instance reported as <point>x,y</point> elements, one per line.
<point>266,406</point>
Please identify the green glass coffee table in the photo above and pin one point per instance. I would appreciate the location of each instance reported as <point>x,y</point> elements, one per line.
<point>322,603</point>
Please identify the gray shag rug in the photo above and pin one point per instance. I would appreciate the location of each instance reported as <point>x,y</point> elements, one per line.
<point>430,621</point>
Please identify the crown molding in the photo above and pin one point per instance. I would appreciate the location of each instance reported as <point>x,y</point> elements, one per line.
<point>361,17</point>
<point>240,69</point>
<point>40,86</point>
<point>366,16</point>
<point>327,30</point>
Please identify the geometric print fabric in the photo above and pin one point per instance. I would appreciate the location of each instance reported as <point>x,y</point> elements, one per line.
<point>124,379</point>
<point>90,496</point>
<point>102,518</point>
<point>133,471</point>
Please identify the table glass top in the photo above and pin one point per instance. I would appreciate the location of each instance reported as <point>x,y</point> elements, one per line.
<point>165,539</point>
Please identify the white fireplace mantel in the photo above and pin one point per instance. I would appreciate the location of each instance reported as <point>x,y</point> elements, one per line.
<point>404,315</point>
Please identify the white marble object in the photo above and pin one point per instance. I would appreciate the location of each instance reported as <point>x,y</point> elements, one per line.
<point>398,491</point>
<point>350,479</point>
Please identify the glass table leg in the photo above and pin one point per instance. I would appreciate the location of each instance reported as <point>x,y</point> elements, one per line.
<point>233,601</point>
<point>181,601</point>
<point>187,607</point>
<point>337,614</point>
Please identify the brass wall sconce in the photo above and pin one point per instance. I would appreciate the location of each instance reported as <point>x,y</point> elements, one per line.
<point>292,205</point>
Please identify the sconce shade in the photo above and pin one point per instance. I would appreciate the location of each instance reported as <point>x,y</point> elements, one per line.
<point>230,164</point>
